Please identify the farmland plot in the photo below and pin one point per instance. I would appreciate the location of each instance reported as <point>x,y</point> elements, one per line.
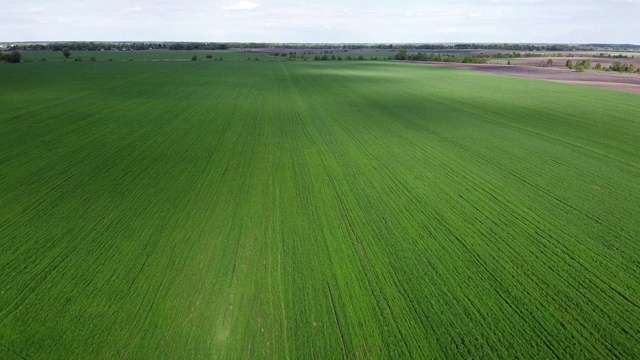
<point>325,209</point>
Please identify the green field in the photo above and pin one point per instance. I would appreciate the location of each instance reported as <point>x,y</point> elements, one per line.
<point>145,55</point>
<point>195,210</point>
<point>182,55</point>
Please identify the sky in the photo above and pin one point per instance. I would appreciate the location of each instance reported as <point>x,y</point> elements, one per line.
<point>315,21</point>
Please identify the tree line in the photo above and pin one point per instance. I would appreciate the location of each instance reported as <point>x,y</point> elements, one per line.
<point>326,57</point>
<point>403,54</point>
<point>147,45</point>
<point>616,66</point>
<point>503,46</point>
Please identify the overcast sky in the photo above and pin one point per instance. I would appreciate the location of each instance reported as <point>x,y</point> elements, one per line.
<point>370,21</point>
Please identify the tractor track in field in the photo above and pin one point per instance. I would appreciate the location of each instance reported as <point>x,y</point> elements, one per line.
<point>337,320</point>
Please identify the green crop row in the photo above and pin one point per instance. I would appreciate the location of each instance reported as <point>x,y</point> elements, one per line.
<point>314,210</point>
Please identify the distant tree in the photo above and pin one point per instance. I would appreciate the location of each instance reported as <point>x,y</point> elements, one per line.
<point>549,62</point>
<point>616,66</point>
<point>598,66</point>
<point>339,57</point>
<point>12,57</point>
<point>15,57</point>
<point>580,68</point>
<point>209,56</point>
<point>66,52</point>
<point>509,62</point>
<point>402,55</point>
<point>569,64</point>
<point>194,58</point>
<point>632,68</point>
<point>360,57</point>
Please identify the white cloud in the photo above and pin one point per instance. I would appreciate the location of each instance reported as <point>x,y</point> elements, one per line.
<point>241,5</point>
<point>36,9</point>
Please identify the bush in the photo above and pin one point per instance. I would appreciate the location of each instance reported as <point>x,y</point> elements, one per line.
<point>78,59</point>
<point>43,59</point>
<point>93,58</point>
<point>598,66</point>
<point>194,58</point>
<point>580,68</point>
<point>110,59</point>
<point>402,55</point>
<point>209,56</point>
<point>12,57</point>
<point>569,64</point>
<point>616,66</point>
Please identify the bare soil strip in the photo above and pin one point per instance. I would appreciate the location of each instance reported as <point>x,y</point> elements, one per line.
<point>607,80</point>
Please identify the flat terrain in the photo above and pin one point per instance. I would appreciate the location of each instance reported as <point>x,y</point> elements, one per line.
<point>601,79</point>
<point>141,55</point>
<point>560,62</point>
<point>197,210</point>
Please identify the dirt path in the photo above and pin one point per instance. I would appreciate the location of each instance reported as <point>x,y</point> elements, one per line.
<point>601,79</point>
